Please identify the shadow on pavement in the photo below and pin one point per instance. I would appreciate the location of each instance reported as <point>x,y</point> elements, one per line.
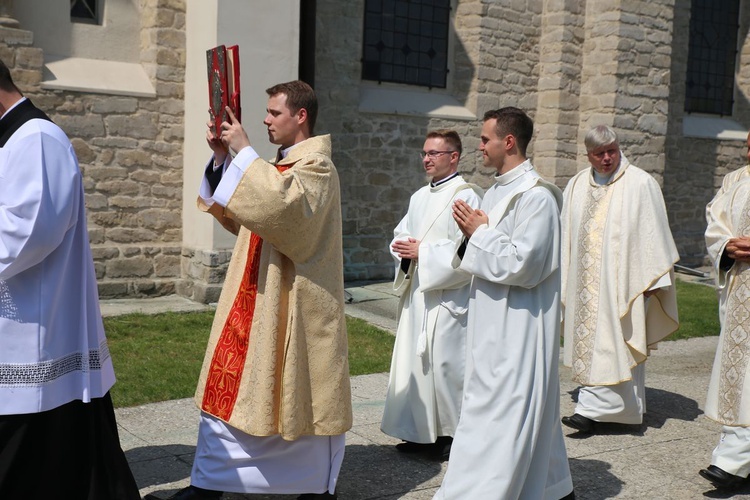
<point>592,479</point>
<point>380,472</point>
<point>742,490</point>
<point>368,472</point>
<point>156,465</point>
<point>662,405</point>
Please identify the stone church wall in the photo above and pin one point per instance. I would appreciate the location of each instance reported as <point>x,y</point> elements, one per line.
<point>130,154</point>
<point>569,64</point>
<point>695,167</point>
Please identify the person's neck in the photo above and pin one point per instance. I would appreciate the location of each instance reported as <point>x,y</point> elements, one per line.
<point>443,179</point>
<point>297,139</point>
<point>510,163</point>
<point>8,99</point>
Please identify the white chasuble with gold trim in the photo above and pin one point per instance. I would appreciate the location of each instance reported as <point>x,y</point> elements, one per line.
<point>728,216</point>
<point>616,245</point>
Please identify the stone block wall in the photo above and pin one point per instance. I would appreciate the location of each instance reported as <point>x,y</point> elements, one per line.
<point>695,167</point>
<point>130,154</point>
<point>569,64</point>
<point>495,59</point>
<point>559,87</point>
<point>625,77</point>
<point>203,273</point>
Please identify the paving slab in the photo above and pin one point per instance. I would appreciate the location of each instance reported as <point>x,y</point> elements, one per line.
<point>658,460</point>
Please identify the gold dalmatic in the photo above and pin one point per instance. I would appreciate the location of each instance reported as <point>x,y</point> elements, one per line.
<point>736,340</point>
<point>590,242</point>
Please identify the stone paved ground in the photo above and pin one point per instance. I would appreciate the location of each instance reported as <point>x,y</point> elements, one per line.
<point>658,461</point>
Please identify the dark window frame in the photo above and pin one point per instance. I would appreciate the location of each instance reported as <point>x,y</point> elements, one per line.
<point>85,11</point>
<point>407,42</point>
<point>712,57</point>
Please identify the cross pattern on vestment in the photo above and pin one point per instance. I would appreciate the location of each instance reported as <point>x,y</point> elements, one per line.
<point>590,247</point>
<point>230,354</point>
<point>735,348</point>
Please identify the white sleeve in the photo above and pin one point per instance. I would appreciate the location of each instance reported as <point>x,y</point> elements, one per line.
<point>436,271</point>
<point>40,193</point>
<point>523,249</point>
<point>204,191</point>
<point>230,179</point>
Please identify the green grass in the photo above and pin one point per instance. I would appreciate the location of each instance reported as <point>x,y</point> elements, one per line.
<point>159,357</point>
<point>698,308</point>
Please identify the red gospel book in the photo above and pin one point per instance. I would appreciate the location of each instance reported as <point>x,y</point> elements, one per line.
<point>223,83</point>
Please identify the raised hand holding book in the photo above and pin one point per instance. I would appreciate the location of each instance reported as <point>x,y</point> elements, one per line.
<point>223,64</point>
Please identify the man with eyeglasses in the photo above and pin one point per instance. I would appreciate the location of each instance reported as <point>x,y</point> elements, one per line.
<point>617,287</point>
<point>427,369</point>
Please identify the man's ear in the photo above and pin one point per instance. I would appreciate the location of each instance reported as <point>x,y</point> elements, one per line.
<point>301,116</point>
<point>510,142</point>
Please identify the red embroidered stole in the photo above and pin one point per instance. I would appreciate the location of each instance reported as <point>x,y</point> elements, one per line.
<point>228,361</point>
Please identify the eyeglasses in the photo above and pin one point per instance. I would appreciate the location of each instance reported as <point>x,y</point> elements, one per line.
<point>433,154</point>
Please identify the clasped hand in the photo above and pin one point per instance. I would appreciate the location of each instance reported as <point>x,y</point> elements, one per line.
<point>467,218</point>
<point>406,249</point>
<point>738,249</point>
<point>231,137</point>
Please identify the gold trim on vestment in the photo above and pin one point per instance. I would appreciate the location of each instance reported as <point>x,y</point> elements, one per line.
<point>590,247</point>
<point>736,339</point>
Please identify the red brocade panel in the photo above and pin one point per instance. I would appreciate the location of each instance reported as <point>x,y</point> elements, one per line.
<point>223,382</point>
<point>228,361</point>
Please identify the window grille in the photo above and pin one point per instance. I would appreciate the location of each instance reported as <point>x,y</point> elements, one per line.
<point>712,55</point>
<point>84,11</point>
<point>406,41</point>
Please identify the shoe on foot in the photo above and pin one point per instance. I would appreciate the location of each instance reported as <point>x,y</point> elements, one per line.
<point>720,478</point>
<point>579,423</point>
<point>410,447</point>
<point>317,496</point>
<point>442,447</point>
<point>190,493</point>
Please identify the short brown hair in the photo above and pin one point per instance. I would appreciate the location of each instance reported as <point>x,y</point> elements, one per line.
<point>449,136</point>
<point>515,122</point>
<point>298,95</point>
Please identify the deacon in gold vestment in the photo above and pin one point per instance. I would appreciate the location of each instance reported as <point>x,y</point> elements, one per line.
<point>274,390</point>
<point>728,402</point>
<point>617,287</point>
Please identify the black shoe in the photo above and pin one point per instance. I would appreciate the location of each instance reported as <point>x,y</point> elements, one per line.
<point>442,447</point>
<point>190,493</point>
<point>580,423</point>
<point>317,496</point>
<point>571,496</point>
<point>409,447</point>
<point>720,478</point>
